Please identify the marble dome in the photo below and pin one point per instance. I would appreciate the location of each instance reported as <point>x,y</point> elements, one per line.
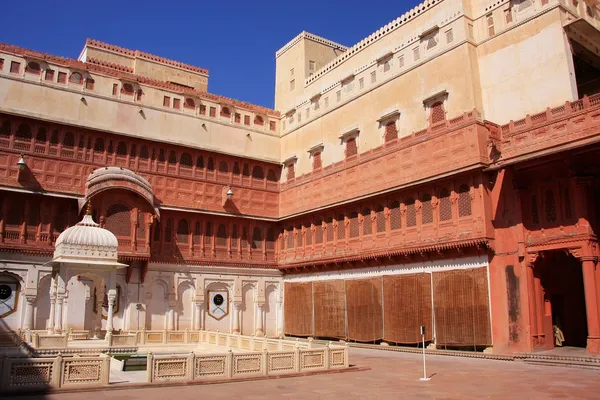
<point>86,242</point>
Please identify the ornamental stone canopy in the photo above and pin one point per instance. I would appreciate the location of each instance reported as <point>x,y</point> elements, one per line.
<point>87,243</point>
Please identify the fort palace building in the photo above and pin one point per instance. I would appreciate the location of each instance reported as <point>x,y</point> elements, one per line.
<point>443,172</point>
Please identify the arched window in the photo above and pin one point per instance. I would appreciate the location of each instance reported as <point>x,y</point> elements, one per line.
<point>221,236</point>
<point>271,176</point>
<point>535,218</point>
<point>234,236</point>
<point>208,233</point>
<point>23,133</point>
<point>5,129</point>
<point>161,155</point>
<point>121,149</point>
<point>99,145</point>
<point>309,234</point>
<point>395,220</point>
<point>197,233</point>
<point>426,209</point>
<point>270,239</point>
<point>156,228</point>
<point>69,140</point>
<point>189,103</point>
<point>211,164</point>
<point>76,77</point>
<point>185,160</point>
<point>550,206</point>
<point>54,138</point>
<point>567,203</point>
<point>258,120</point>
<point>33,68</point>
<point>144,153</point>
<point>380,218</point>
<point>353,225</point>
<point>118,219</point>
<point>127,88</point>
<point>172,157</point>
<point>464,201</point>
<point>391,132</point>
<point>257,240</point>
<point>223,168</point>
<point>246,171</point>
<point>445,205</point>
<point>318,231</point>
<point>437,113</point>
<point>236,168</point>
<point>41,136</point>
<point>257,172</point>
<point>367,222</point>
<point>411,213</point>
<point>168,230</point>
<point>182,231</point>
<point>133,151</point>
<point>225,111</point>
<point>341,228</point>
<point>199,162</point>
<point>329,227</point>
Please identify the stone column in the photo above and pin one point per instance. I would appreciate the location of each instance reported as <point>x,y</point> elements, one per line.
<point>198,320</point>
<point>112,295</point>
<point>280,318</point>
<point>99,301</point>
<point>50,323</point>
<point>259,320</point>
<point>28,322</point>
<point>236,317</point>
<point>58,314</point>
<point>170,319</point>
<point>591,304</point>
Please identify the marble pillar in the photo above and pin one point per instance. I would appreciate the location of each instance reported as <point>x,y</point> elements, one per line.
<point>260,330</point>
<point>58,314</point>
<point>236,317</point>
<point>28,321</point>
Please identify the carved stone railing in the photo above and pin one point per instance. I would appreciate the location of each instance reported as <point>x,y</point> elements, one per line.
<point>553,128</point>
<point>454,144</point>
<point>45,341</point>
<point>192,367</point>
<point>27,374</point>
<point>125,340</point>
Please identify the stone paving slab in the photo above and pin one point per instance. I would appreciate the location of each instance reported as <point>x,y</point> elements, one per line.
<point>392,376</point>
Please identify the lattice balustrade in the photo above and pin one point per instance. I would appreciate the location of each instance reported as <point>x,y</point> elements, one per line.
<point>445,206</point>
<point>337,358</point>
<point>426,210</point>
<point>411,213</point>
<point>312,359</point>
<point>353,225</point>
<point>329,228</point>
<point>464,201</point>
<point>550,206</point>
<point>76,372</point>
<point>395,219</point>
<point>118,220</point>
<point>170,369</point>
<point>210,366</point>
<point>246,364</point>
<point>281,362</point>
<point>31,373</point>
<point>380,219</point>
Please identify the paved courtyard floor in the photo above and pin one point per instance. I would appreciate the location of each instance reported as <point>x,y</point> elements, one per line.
<point>392,375</point>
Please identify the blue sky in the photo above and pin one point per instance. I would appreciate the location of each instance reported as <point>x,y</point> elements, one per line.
<point>235,40</point>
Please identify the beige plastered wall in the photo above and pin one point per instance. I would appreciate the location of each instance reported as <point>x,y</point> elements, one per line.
<point>454,71</point>
<point>62,105</point>
<point>526,69</point>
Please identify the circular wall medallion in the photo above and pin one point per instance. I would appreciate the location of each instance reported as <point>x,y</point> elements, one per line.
<point>5,292</point>
<point>218,299</point>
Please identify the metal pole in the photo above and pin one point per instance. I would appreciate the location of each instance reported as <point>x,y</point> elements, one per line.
<point>424,378</point>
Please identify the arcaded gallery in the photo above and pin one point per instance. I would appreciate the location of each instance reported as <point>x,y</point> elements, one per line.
<point>440,172</point>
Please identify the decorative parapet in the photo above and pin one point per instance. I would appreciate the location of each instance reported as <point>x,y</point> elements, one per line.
<point>556,129</point>
<point>262,357</point>
<point>310,36</point>
<point>34,374</point>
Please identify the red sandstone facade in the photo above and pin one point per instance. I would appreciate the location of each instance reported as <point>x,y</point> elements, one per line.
<point>521,196</point>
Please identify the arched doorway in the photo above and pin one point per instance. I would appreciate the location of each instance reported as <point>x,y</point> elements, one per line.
<point>561,300</point>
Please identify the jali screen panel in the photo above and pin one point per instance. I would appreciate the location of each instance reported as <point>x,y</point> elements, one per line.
<point>407,306</point>
<point>461,304</point>
<point>365,309</point>
<point>329,308</point>
<point>298,309</point>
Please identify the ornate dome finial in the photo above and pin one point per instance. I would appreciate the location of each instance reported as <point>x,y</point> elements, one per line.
<point>88,209</point>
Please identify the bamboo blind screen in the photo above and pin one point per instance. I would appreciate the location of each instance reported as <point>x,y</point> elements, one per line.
<point>298,309</point>
<point>330,309</point>
<point>461,307</point>
<point>364,308</point>
<point>407,306</point>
